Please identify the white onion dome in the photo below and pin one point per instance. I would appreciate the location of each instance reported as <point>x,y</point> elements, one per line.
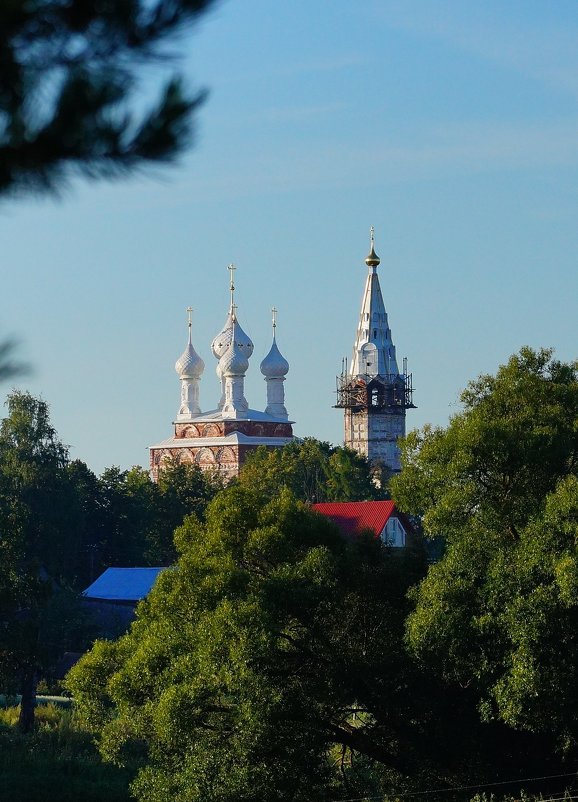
<point>189,365</point>
<point>274,365</point>
<point>223,339</point>
<point>233,362</point>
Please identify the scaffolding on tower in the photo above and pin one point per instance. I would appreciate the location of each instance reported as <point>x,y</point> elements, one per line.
<point>381,393</point>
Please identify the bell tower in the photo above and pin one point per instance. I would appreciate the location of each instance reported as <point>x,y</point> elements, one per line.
<point>372,392</point>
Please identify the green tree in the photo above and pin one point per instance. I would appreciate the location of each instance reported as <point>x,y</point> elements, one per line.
<point>70,82</point>
<point>37,538</point>
<point>267,662</point>
<point>184,489</point>
<point>129,514</point>
<point>313,470</point>
<point>499,613</point>
<point>131,519</point>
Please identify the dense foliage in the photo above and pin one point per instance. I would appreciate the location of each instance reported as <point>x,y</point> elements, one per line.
<point>271,641</point>
<point>127,519</point>
<point>278,661</point>
<point>499,613</point>
<point>60,526</point>
<point>314,471</point>
<point>270,664</point>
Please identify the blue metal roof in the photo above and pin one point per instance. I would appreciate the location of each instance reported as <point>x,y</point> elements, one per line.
<point>123,584</point>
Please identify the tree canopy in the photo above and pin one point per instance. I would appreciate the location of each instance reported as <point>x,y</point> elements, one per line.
<point>60,526</point>
<point>261,663</point>
<point>270,664</point>
<point>36,532</point>
<point>72,83</point>
<point>314,471</point>
<point>499,613</point>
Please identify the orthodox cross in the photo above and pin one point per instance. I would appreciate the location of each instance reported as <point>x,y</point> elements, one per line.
<point>274,313</point>
<point>189,313</point>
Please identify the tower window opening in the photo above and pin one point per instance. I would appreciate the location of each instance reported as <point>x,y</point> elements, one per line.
<point>374,333</point>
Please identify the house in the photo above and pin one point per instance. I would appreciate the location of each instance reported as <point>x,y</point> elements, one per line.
<point>380,517</point>
<point>113,597</point>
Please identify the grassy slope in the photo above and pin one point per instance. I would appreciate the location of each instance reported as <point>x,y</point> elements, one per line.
<point>57,762</point>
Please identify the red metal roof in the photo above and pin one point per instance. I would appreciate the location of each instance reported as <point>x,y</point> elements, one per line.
<point>353,517</point>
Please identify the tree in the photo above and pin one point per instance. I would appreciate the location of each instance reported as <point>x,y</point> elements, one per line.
<point>499,613</point>
<point>36,537</point>
<point>184,489</point>
<point>70,76</point>
<point>313,470</point>
<point>262,662</point>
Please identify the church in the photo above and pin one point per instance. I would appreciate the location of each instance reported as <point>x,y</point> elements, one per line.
<point>371,390</point>
<point>221,438</point>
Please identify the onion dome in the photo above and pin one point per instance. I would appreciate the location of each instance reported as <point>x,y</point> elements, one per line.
<point>372,260</point>
<point>233,362</point>
<point>223,339</point>
<point>189,365</point>
<point>274,366</point>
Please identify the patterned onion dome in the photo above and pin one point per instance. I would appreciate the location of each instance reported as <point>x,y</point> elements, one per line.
<point>223,339</point>
<point>274,366</point>
<point>233,362</point>
<point>189,365</point>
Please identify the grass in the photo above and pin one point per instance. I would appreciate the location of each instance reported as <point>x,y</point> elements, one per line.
<point>59,761</point>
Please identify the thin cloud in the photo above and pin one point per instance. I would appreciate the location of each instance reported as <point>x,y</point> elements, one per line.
<point>546,53</point>
<point>441,150</point>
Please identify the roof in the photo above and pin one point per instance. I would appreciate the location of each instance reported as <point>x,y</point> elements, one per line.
<point>234,438</point>
<point>123,584</point>
<point>250,414</point>
<point>352,517</point>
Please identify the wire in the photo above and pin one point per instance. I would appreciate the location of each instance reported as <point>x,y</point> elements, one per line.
<point>468,788</point>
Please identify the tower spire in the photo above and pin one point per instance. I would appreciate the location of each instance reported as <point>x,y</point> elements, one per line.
<point>374,351</point>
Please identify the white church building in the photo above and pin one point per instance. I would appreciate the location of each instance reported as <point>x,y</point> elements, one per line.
<point>221,438</point>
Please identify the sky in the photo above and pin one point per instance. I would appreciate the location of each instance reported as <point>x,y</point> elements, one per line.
<point>451,126</point>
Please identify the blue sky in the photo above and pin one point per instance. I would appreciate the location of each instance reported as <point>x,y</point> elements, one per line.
<point>452,127</point>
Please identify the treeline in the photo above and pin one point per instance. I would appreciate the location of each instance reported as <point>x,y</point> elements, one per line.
<point>279,661</point>
<point>61,526</point>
